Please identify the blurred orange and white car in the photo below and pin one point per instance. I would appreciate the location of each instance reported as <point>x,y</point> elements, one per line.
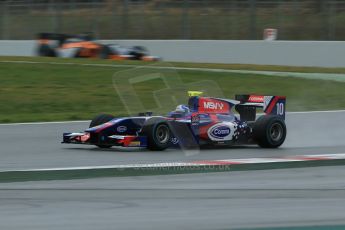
<point>84,46</point>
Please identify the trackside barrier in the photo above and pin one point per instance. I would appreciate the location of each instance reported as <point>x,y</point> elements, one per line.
<point>288,53</point>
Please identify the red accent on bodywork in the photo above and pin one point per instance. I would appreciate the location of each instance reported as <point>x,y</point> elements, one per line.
<point>273,103</point>
<point>127,140</point>
<point>149,58</point>
<point>82,44</point>
<point>84,138</point>
<point>306,158</point>
<point>203,131</point>
<point>118,57</point>
<point>217,162</point>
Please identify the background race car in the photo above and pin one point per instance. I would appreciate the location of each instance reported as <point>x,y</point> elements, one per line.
<point>84,46</point>
<point>205,121</point>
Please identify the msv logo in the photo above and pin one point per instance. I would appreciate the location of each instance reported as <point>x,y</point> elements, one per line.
<point>213,105</point>
<point>220,132</point>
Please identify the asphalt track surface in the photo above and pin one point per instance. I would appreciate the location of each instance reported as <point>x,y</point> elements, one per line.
<point>231,200</point>
<point>38,145</point>
<point>228,200</point>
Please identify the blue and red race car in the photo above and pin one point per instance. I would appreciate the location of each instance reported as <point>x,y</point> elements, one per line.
<point>205,121</point>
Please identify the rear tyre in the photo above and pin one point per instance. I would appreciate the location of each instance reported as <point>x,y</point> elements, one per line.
<point>99,120</point>
<point>45,51</point>
<point>105,52</point>
<point>269,131</point>
<point>158,134</point>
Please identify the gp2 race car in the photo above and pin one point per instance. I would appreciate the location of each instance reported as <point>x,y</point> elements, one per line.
<point>84,46</point>
<point>205,121</point>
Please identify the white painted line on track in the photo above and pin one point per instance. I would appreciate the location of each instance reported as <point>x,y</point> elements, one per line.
<point>155,165</point>
<point>43,123</point>
<point>321,111</point>
<point>205,163</point>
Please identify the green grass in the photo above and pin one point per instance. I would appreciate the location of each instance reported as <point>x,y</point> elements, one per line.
<point>277,68</point>
<point>45,92</point>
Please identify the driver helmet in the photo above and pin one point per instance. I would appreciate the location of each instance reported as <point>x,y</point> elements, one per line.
<point>182,109</point>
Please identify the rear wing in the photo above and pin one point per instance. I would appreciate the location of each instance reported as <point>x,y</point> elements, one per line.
<point>44,37</point>
<point>51,36</point>
<point>271,105</point>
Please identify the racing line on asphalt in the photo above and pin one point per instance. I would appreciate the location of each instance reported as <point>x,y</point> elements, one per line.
<point>38,145</point>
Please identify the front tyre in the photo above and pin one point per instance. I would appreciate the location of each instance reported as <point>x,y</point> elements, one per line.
<point>158,134</point>
<point>269,131</point>
<point>100,120</point>
<point>46,51</point>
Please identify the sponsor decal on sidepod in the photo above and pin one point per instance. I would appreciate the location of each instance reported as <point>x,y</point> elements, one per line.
<point>219,132</point>
<point>121,129</point>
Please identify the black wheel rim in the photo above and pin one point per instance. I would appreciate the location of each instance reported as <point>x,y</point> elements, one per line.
<point>276,132</point>
<point>162,134</point>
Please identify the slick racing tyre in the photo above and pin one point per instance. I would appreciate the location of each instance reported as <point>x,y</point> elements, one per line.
<point>45,51</point>
<point>138,52</point>
<point>105,52</point>
<point>99,120</point>
<point>158,133</point>
<point>269,131</point>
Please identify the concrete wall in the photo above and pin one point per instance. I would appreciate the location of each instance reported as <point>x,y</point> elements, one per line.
<point>17,48</point>
<point>292,53</point>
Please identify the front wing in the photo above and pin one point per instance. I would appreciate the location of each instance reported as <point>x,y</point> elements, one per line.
<point>113,140</point>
